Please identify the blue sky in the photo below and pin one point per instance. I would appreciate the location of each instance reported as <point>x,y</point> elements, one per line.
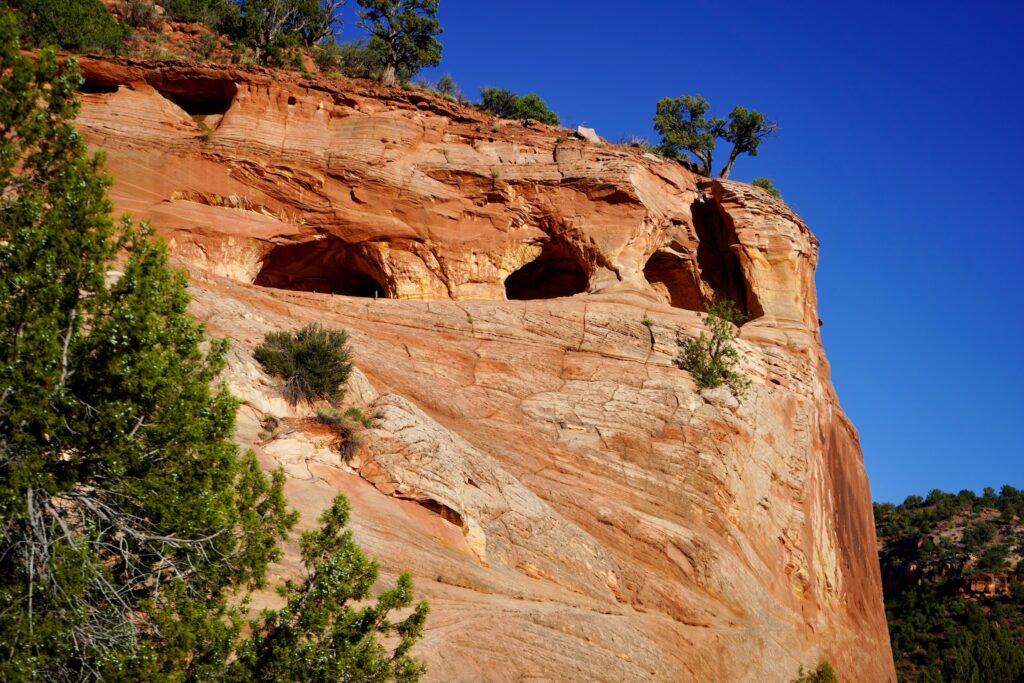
<point>901,145</point>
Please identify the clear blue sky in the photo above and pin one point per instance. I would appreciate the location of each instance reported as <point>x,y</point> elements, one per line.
<point>901,146</point>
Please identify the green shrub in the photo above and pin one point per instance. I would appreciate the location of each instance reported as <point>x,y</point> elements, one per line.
<point>75,25</point>
<point>712,360</point>
<point>213,13</point>
<point>447,87</point>
<point>507,105</point>
<point>823,674</point>
<point>315,362</point>
<point>767,185</point>
<point>346,427</point>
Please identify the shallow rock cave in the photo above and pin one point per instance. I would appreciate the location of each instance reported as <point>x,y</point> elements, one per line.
<point>717,274</point>
<point>198,96</point>
<point>674,275</point>
<point>328,266</point>
<point>553,274</point>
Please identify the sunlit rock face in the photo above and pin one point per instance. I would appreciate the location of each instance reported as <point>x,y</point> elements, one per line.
<point>570,503</point>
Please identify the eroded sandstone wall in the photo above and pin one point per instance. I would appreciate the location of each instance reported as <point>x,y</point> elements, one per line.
<point>571,504</point>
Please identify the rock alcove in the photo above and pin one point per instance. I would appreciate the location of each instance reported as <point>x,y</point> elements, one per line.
<point>714,273</point>
<point>328,266</point>
<point>555,273</point>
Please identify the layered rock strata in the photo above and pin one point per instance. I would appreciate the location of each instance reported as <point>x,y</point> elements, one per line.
<point>572,505</point>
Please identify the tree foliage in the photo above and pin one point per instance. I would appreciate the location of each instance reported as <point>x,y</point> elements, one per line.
<point>768,186</point>
<point>74,25</point>
<point>712,360</point>
<point>823,674</point>
<point>123,499</point>
<point>507,105</point>
<point>315,362</point>
<point>320,636</point>
<point>130,525</point>
<point>404,33</point>
<point>939,631</point>
<point>271,27</point>
<point>685,127</point>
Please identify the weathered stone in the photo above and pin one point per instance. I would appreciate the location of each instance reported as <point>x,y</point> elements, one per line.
<point>570,503</point>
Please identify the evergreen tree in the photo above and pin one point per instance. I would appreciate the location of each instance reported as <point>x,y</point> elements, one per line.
<point>123,501</point>
<point>685,127</point>
<point>129,522</point>
<point>404,32</point>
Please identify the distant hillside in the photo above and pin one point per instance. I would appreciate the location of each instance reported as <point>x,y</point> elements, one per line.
<point>952,576</point>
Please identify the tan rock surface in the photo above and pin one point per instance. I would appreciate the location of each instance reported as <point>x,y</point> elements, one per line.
<point>568,501</point>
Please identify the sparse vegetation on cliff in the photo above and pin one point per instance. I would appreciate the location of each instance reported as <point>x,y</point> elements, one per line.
<point>131,527</point>
<point>952,573</point>
<point>823,674</point>
<point>507,105</point>
<point>768,186</point>
<point>685,127</point>
<point>315,362</point>
<point>712,360</point>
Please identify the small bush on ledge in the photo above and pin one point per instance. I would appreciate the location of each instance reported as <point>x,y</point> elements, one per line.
<point>712,360</point>
<point>315,362</point>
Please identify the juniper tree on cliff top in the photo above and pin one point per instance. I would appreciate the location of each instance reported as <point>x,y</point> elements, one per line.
<point>684,126</point>
<point>404,33</point>
<point>129,521</point>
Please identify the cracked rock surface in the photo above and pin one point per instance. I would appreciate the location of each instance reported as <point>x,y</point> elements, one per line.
<point>571,504</point>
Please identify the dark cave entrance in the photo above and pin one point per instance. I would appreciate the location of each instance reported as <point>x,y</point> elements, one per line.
<point>327,266</point>
<point>199,97</point>
<point>715,275</point>
<point>553,274</point>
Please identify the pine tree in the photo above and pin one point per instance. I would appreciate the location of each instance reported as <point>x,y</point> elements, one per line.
<point>130,524</point>
<point>123,501</point>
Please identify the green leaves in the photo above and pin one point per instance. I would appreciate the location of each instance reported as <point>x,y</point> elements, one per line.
<point>315,362</point>
<point>685,127</point>
<point>75,25</point>
<point>405,33</point>
<point>507,105</point>
<point>321,635</point>
<point>712,360</point>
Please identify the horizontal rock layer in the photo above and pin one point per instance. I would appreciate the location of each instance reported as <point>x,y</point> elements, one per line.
<point>570,503</point>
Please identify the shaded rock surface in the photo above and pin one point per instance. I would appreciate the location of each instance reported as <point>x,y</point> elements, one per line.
<point>569,502</point>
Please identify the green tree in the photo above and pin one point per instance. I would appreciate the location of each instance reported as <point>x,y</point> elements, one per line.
<point>404,32</point>
<point>745,130</point>
<point>685,127</point>
<point>320,636</point>
<point>123,501</point>
<point>75,25</point>
<point>507,105</point>
<point>131,525</point>
<point>712,360</point>
<point>271,27</point>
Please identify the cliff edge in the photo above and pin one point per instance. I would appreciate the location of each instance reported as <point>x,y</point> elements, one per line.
<point>567,499</point>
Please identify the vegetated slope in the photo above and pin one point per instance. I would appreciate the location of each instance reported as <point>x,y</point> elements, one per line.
<point>952,572</point>
<point>571,504</point>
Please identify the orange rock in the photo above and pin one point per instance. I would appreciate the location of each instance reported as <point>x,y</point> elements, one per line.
<point>571,504</point>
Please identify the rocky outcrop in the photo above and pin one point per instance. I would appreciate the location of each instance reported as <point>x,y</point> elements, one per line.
<point>571,504</point>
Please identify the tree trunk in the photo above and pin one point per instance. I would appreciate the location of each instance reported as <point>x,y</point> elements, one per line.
<point>728,167</point>
<point>389,77</point>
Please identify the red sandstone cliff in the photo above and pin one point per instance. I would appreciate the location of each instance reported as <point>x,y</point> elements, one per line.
<point>569,502</point>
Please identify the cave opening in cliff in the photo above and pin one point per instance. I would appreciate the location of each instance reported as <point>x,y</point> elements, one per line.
<point>97,88</point>
<point>555,273</point>
<point>718,264</point>
<point>199,96</point>
<point>674,276</point>
<point>327,266</point>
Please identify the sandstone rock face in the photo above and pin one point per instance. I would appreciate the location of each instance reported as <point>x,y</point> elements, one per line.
<point>571,504</point>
